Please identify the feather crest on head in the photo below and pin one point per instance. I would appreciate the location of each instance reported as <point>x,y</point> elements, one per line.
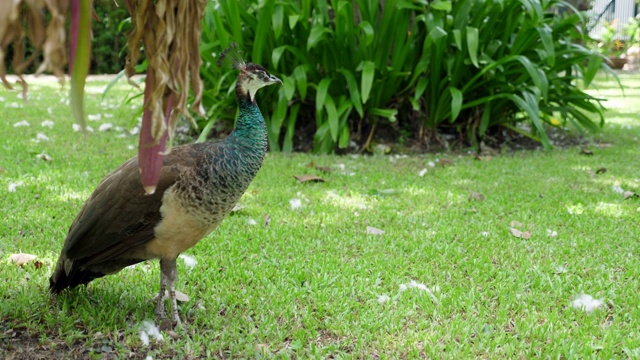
<point>231,58</point>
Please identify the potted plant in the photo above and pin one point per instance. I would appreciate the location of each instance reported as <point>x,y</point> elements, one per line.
<point>612,45</point>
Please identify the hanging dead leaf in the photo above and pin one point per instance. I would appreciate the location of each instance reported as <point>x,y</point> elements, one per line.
<point>586,152</point>
<point>374,231</point>
<point>601,171</point>
<point>21,259</point>
<point>308,178</point>
<point>475,196</point>
<point>629,194</point>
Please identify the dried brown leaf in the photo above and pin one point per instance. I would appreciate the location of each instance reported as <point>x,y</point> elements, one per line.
<point>445,162</point>
<point>21,259</point>
<point>475,196</point>
<point>629,194</point>
<point>482,157</point>
<point>586,152</point>
<point>308,178</point>
<point>267,220</point>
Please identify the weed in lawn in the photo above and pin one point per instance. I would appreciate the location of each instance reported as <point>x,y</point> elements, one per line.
<point>442,277</point>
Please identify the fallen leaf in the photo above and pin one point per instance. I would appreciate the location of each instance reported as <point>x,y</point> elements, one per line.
<point>374,231</point>
<point>37,265</point>
<point>445,162</point>
<point>267,220</point>
<point>629,194</point>
<point>237,207</point>
<point>516,224</point>
<point>601,171</point>
<point>325,169</point>
<point>263,348</point>
<point>521,234</point>
<point>21,258</point>
<point>603,145</point>
<point>174,335</point>
<point>475,196</point>
<point>308,178</point>
<point>311,164</point>
<point>482,157</point>
<point>586,152</point>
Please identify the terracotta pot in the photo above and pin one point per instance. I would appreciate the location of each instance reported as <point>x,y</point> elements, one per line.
<point>617,62</point>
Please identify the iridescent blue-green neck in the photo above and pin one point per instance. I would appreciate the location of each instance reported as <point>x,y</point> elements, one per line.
<point>250,127</point>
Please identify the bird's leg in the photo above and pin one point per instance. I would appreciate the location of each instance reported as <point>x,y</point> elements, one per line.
<point>170,274</point>
<point>160,307</point>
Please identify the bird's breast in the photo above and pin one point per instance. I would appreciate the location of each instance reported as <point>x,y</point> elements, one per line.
<point>181,227</point>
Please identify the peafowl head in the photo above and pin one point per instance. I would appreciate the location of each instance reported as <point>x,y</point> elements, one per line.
<point>252,77</point>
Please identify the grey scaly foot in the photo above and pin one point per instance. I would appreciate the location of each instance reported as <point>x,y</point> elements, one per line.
<point>170,273</point>
<point>160,313</point>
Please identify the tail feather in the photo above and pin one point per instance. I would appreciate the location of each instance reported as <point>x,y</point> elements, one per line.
<point>76,275</point>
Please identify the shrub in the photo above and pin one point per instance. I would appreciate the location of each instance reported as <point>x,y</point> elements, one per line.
<point>346,65</point>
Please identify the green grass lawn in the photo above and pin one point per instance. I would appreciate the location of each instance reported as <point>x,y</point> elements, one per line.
<point>446,279</point>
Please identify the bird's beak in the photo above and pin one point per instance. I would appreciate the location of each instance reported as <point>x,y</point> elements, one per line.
<point>275,80</point>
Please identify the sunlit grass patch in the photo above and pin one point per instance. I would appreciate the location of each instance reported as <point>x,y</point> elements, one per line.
<point>441,276</point>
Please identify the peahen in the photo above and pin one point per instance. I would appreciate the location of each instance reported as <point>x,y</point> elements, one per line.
<point>199,184</point>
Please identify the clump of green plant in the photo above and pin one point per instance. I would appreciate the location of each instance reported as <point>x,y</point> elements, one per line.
<point>351,65</point>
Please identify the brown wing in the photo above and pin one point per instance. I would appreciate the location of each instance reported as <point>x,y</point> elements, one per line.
<point>119,217</point>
